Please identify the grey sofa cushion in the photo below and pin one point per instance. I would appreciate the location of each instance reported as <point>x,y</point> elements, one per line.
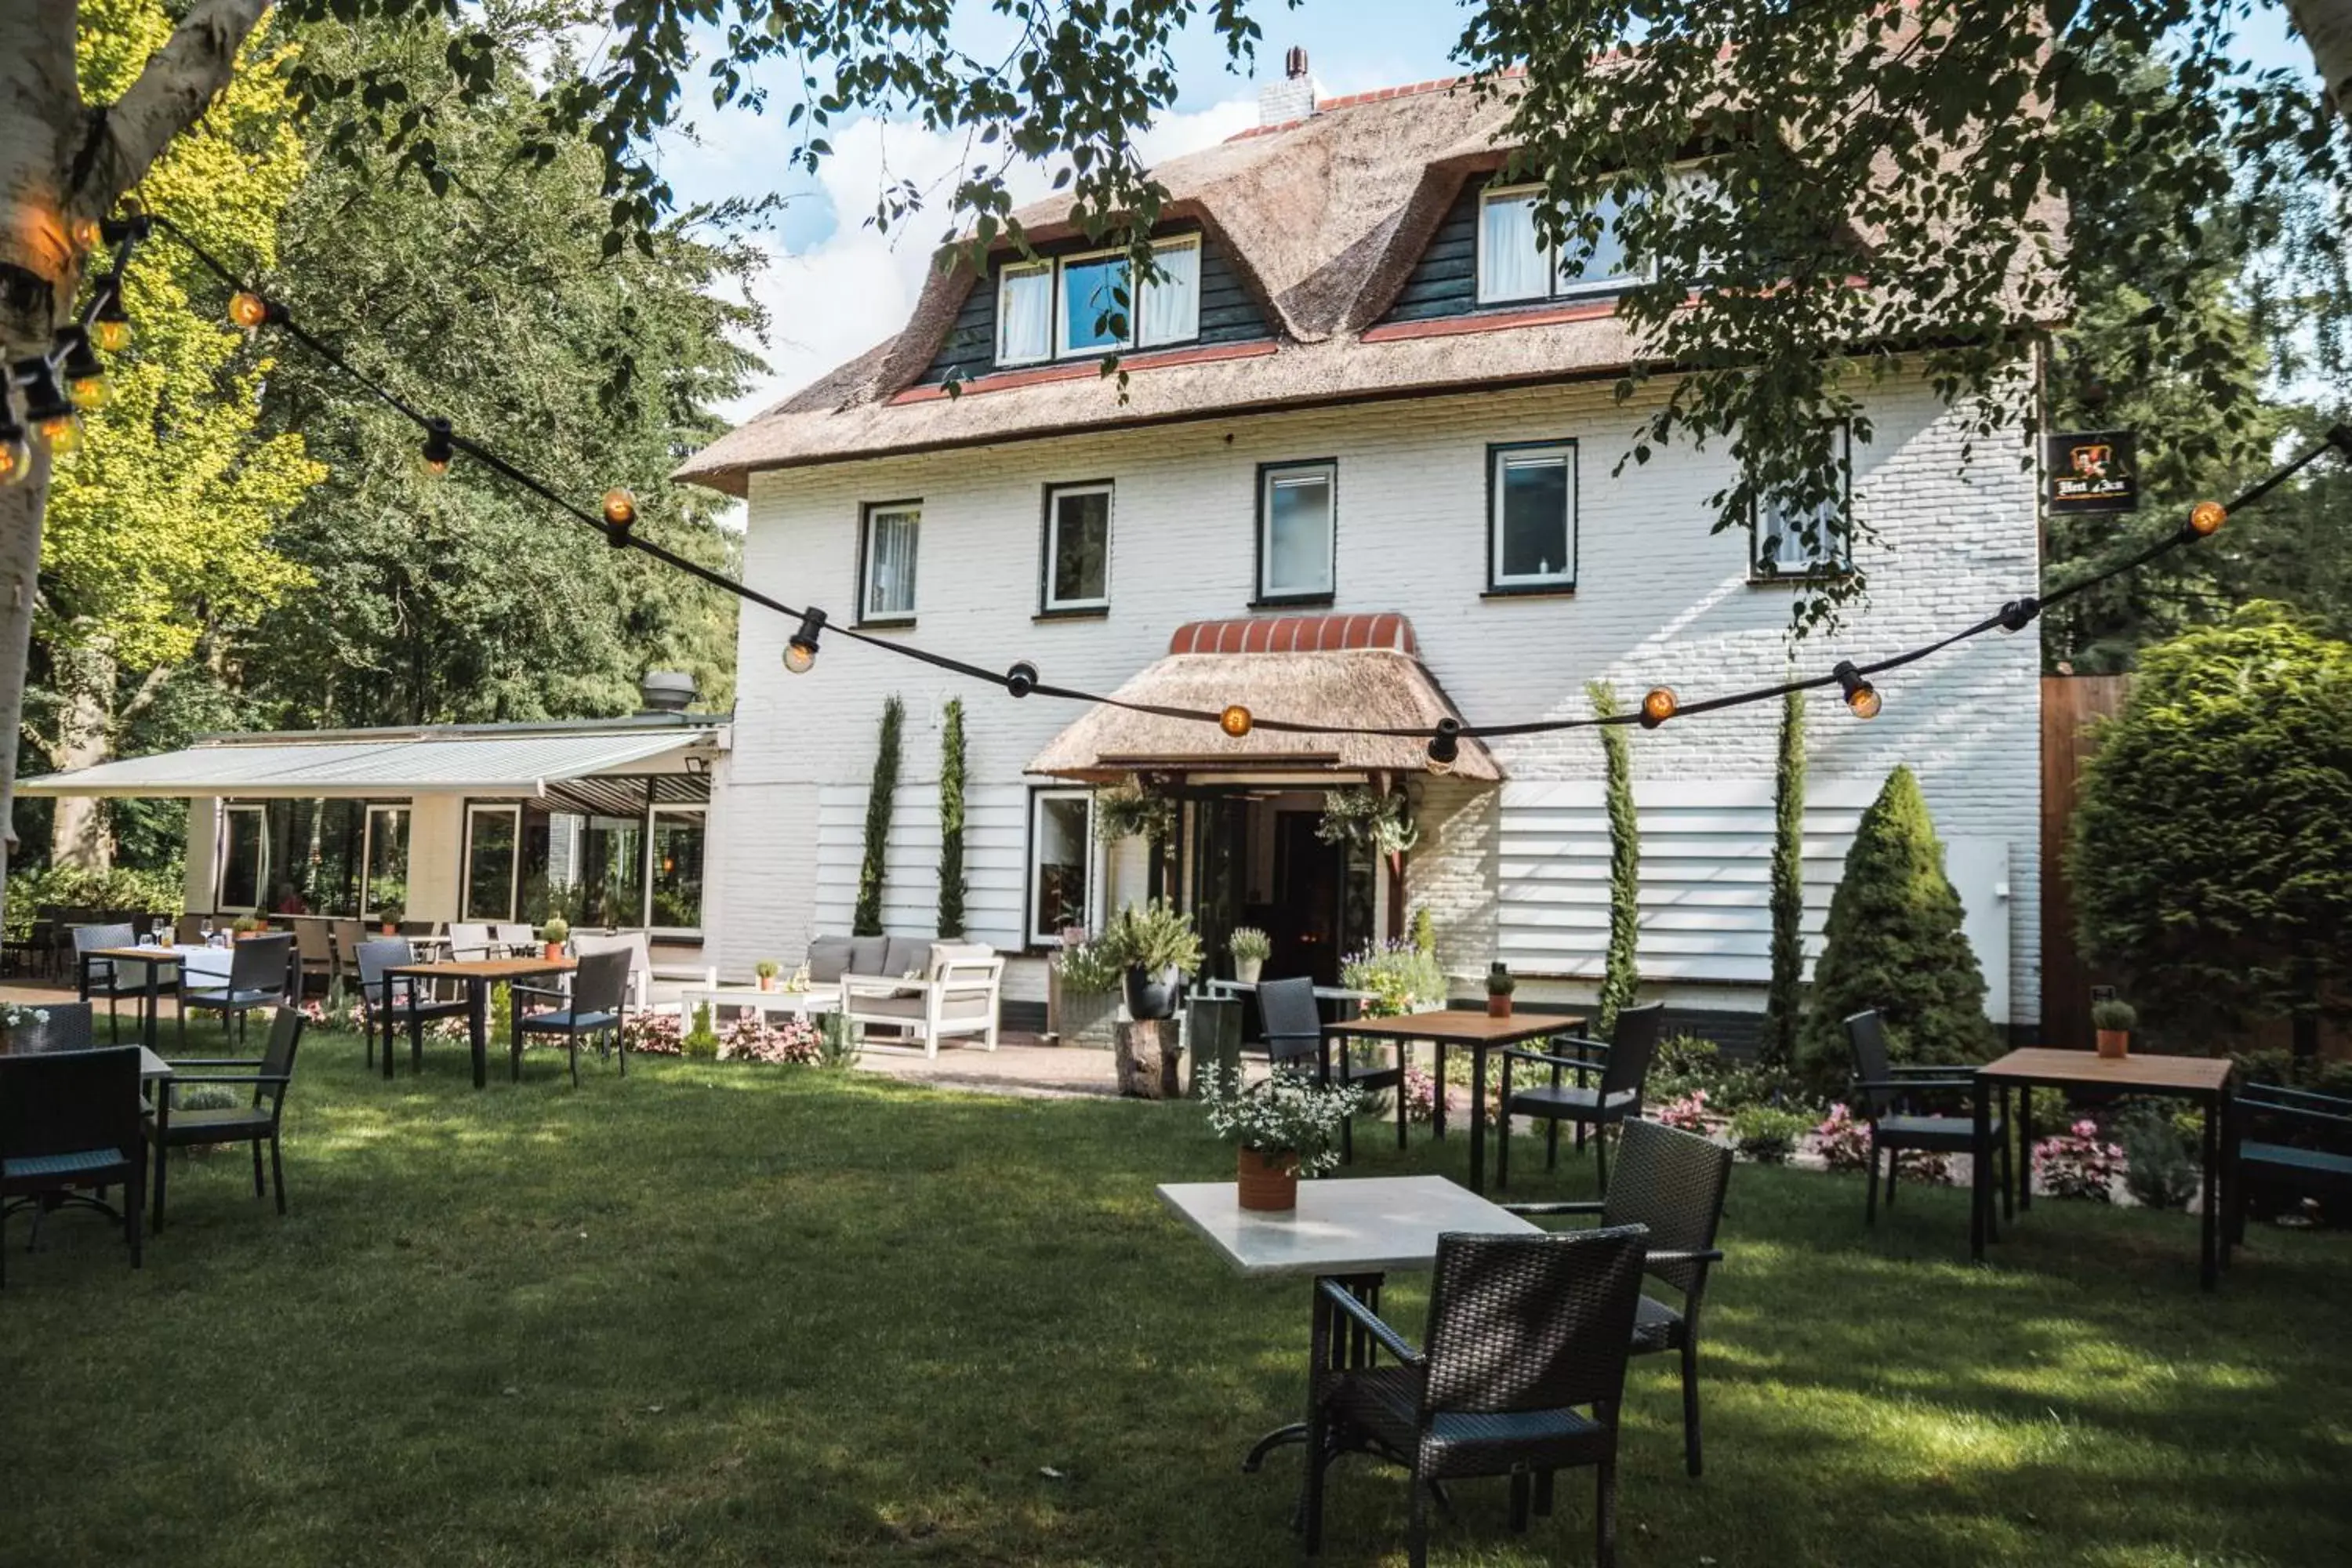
<point>866,954</point>
<point>828,959</point>
<point>907,955</point>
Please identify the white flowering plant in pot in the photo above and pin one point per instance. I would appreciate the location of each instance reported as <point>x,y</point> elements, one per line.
<point>1285,1113</point>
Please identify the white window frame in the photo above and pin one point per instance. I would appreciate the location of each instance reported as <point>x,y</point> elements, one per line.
<point>1269,477</point>
<point>1559,289</point>
<point>1108,489</point>
<point>1004,274</point>
<point>513,812</point>
<point>653,815</point>
<point>1842,563</point>
<point>1063,348</point>
<point>260,814</point>
<point>1191,333</point>
<point>1032,915</point>
<point>867,514</point>
<point>1499,460</point>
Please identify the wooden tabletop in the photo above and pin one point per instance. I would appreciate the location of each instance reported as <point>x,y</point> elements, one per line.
<point>143,954</point>
<point>1460,1026</point>
<point>2041,1064</point>
<point>485,968</point>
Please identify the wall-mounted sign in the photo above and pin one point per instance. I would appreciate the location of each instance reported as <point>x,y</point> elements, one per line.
<point>2095,470</point>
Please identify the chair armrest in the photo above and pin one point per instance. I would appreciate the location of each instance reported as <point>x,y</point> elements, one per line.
<point>1707,1255</point>
<point>1520,1053</point>
<point>2247,1109</point>
<point>1394,1342</point>
<point>1902,1083</point>
<point>237,1078</point>
<point>1912,1069</point>
<point>1579,1042</point>
<point>520,990</point>
<point>1584,1206</point>
<point>2260,1094</point>
<point>176,1063</point>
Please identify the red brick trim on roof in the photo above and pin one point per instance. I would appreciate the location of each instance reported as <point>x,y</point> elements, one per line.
<point>1298,633</point>
<point>1501,321</point>
<point>1088,369</point>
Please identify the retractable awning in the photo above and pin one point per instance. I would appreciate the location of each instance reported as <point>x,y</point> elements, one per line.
<point>1350,670</point>
<point>405,763</point>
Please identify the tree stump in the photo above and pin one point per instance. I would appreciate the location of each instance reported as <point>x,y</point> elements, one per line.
<point>1148,1056</point>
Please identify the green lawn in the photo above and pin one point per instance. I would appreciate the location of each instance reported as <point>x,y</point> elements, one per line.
<point>726,1314</point>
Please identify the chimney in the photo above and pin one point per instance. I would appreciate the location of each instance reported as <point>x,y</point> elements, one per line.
<point>1292,98</point>
<point>666,691</point>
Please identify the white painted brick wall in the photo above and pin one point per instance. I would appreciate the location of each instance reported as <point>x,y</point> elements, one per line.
<point>1659,599</point>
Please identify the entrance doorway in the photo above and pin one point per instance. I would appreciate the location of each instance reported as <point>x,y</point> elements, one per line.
<point>1257,861</point>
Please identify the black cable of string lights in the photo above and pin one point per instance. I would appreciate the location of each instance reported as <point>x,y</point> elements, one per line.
<point>617,518</point>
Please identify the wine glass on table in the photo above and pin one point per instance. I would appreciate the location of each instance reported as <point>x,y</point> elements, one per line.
<point>205,929</point>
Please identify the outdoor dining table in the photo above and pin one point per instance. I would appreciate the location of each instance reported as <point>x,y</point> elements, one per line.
<point>1476,1032</point>
<point>478,974</point>
<point>1353,1230</point>
<point>188,960</point>
<point>2206,1080</point>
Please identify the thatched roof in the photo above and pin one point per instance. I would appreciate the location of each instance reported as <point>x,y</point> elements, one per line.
<point>1324,219</point>
<point>1372,686</point>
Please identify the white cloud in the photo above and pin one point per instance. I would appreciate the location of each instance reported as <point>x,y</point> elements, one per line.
<point>834,298</point>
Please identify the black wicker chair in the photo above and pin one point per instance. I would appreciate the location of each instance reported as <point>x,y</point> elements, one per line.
<point>1623,1067</point>
<point>257,971</point>
<point>69,1120</point>
<point>102,976</point>
<point>170,1127</point>
<point>1672,1183</point>
<point>1887,1094</point>
<point>1523,1331</point>
<point>2289,1144</point>
<point>407,1002</point>
<point>1294,1032</point>
<point>590,1010</point>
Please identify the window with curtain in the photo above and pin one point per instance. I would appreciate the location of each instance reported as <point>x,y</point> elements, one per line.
<point>1025,313</point>
<point>1077,547</point>
<point>1296,530</point>
<point>1781,545</point>
<point>1169,311</point>
<point>1533,494</point>
<point>1515,264</point>
<point>1061,866</point>
<point>891,535</point>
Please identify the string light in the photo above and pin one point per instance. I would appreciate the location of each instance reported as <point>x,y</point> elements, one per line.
<point>1445,746</point>
<point>1021,679</point>
<point>85,232</point>
<point>440,450</point>
<point>2206,518</point>
<point>1235,721</point>
<point>1658,706</point>
<point>47,409</point>
<point>620,516</point>
<point>1861,697</point>
<point>2018,614</point>
<point>109,328</point>
<point>250,310</point>
<point>15,452</point>
<point>85,377</point>
<point>799,654</point>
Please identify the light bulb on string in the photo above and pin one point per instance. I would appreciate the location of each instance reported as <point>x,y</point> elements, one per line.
<point>251,311</point>
<point>15,453</point>
<point>1235,721</point>
<point>86,233</point>
<point>1862,697</point>
<point>47,409</point>
<point>439,448</point>
<point>620,516</point>
<point>799,654</point>
<point>1445,746</point>
<point>1021,679</point>
<point>1658,706</point>
<point>109,329</point>
<point>2206,518</point>
<point>85,377</point>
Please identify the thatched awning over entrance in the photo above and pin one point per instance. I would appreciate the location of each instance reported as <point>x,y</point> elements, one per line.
<point>1315,677</point>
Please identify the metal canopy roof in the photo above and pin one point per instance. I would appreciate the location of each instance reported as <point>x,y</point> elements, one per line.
<point>407,763</point>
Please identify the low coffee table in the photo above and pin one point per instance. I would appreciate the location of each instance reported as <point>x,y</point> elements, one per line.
<point>808,1004</point>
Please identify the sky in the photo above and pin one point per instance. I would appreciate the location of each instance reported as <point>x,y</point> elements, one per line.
<point>834,286</point>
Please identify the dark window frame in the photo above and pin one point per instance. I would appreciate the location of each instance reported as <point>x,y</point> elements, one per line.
<point>1054,263</point>
<point>865,511</point>
<point>1498,590</point>
<point>466,858</point>
<point>1029,942</point>
<point>1047,610</point>
<point>1260,597</point>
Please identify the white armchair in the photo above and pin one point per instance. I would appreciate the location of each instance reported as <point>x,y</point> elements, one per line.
<point>652,988</point>
<point>956,996</point>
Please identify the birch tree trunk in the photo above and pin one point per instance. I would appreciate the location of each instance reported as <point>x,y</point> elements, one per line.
<point>77,832</point>
<point>2326,29</point>
<point>61,160</point>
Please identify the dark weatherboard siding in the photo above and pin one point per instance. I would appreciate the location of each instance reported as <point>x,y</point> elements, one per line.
<point>1228,315</point>
<point>1445,282</point>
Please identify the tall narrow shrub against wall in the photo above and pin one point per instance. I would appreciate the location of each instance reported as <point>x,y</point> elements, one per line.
<point>1621,974</point>
<point>1783,1005</point>
<point>951,821</point>
<point>1894,942</point>
<point>878,800</point>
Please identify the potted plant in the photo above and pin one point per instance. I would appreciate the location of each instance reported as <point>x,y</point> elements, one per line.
<point>1083,995</point>
<point>1500,984</point>
<point>244,926</point>
<point>554,933</point>
<point>2113,1020</point>
<point>767,969</point>
<point>1154,943</point>
<point>1251,948</point>
<point>1285,1127</point>
<point>389,915</point>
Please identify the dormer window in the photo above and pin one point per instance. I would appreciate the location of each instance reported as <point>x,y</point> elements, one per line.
<point>1070,307</point>
<point>1515,264</point>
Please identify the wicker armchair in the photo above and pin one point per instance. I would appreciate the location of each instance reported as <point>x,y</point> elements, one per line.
<point>257,977</point>
<point>69,1120</point>
<point>1672,1184</point>
<point>256,1123</point>
<point>1886,1094</point>
<point>1623,1067</point>
<point>2289,1144</point>
<point>591,1009</point>
<point>391,1001</point>
<point>1293,1033</point>
<point>1523,1331</point>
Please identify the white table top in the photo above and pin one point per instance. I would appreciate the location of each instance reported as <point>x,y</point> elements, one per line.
<point>1343,1225</point>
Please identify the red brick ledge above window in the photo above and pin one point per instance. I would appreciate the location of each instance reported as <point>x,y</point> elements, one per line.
<point>1298,633</point>
<point>1490,321</point>
<point>1088,369</point>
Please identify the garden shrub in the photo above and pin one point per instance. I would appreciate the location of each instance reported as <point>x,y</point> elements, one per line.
<point>2078,1164</point>
<point>1767,1135</point>
<point>1398,974</point>
<point>1621,974</point>
<point>880,796</point>
<point>701,1039</point>
<point>1894,942</point>
<point>952,817</point>
<point>2157,1170</point>
<point>1842,1141</point>
<point>2212,850</point>
<point>1689,1112</point>
<point>1784,1004</point>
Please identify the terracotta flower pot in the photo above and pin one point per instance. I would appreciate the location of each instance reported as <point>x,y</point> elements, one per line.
<point>1498,1007</point>
<point>554,953</point>
<point>2115,1043</point>
<point>767,983</point>
<point>391,928</point>
<point>1268,1183</point>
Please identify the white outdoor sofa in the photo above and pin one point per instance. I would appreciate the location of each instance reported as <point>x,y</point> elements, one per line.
<point>928,991</point>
